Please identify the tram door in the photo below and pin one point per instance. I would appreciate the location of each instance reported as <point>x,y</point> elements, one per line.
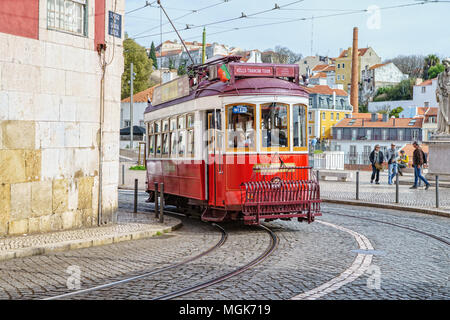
<point>216,176</point>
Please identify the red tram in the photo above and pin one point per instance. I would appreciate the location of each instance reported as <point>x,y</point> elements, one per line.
<point>233,148</point>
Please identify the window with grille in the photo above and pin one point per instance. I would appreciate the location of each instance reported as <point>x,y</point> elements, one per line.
<point>67,15</point>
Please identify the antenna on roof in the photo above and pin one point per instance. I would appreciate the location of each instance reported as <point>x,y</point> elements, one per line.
<point>184,45</point>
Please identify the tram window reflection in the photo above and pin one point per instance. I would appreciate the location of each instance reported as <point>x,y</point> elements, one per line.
<point>299,120</point>
<point>190,143</point>
<point>241,127</point>
<point>181,143</point>
<point>151,145</point>
<point>274,125</point>
<point>158,145</point>
<point>165,144</point>
<point>173,144</point>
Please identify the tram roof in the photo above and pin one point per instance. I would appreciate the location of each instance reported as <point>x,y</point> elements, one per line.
<point>240,87</point>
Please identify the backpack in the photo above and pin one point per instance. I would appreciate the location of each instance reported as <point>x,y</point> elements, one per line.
<point>424,157</point>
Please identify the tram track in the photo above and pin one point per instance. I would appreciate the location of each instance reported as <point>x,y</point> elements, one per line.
<point>222,240</point>
<point>438,238</point>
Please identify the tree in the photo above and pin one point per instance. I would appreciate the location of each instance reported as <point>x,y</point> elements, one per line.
<point>182,68</point>
<point>142,66</point>
<point>401,91</point>
<point>395,112</point>
<point>280,55</point>
<point>435,70</point>
<point>171,64</point>
<point>152,55</point>
<point>430,61</point>
<point>412,65</point>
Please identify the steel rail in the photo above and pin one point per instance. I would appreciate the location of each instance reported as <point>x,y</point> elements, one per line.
<point>396,225</point>
<point>272,246</point>
<point>222,240</point>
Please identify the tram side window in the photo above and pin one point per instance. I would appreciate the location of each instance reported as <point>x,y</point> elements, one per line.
<point>173,137</point>
<point>181,136</point>
<point>274,125</point>
<point>190,135</point>
<point>299,115</point>
<point>151,140</point>
<point>240,127</point>
<point>157,129</point>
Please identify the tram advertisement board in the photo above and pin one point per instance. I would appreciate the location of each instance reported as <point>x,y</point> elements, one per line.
<point>254,71</point>
<point>171,90</point>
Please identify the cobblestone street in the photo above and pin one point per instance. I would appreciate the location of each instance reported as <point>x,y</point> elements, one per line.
<point>410,265</point>
<point>384,193</point>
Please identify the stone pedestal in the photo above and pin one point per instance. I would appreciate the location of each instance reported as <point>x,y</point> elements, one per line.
<point>439,157</point>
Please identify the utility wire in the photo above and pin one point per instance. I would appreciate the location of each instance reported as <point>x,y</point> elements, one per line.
<point>181,17</point>
<point>243,15</point>
<point>147,3</point>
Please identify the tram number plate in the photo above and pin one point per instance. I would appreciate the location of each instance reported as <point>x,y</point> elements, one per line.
<point>239,109</point>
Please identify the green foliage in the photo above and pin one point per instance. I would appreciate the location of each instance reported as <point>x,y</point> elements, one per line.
<point>182,68</point>
<point>401,91</point>
<point>430,61</point>
<point>435,70</point>
<point>318,151</point>
<point>363,108</point>
<point>395,112</point>
<point>135,53</point>
<point>171,64</point>
<point>152,55</point>
<point>138,168</point>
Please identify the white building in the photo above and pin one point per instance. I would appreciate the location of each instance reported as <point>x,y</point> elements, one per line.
<point>58,155</point>
<point>379,76</point>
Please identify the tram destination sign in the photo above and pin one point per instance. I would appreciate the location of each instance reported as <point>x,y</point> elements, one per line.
<point>264,70</point>
<point>171,90</point>
<point>253,71</point>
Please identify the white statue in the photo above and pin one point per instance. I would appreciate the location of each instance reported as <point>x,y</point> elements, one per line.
<point>442,97</point>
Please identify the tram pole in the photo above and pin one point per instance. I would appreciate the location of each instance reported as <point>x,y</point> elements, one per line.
<point>135,195</point>
<point>131,105</point>
<point>397,191</point>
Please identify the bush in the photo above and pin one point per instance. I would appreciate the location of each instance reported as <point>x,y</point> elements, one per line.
<point>138,168</point>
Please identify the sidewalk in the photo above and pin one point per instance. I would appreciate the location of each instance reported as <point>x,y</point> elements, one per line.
<point>384,194</point>
<point>128,227</point>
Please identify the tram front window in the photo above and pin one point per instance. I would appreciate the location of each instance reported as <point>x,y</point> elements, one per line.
<point>274,125</point>
<point>241,127</point>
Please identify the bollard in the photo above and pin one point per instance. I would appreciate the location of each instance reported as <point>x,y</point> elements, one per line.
<point>123,174</point>
<point>161,203</point>
<point>156,201</point>
<point>135,195</point>
<point>437,191</point>
<point>357,185</point>
<point>397,183</point>
<point>318,175</point>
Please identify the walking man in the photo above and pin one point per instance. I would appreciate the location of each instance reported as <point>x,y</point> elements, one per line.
<point>391,158</point>
<point>418,161</point>
<point>376,158</point>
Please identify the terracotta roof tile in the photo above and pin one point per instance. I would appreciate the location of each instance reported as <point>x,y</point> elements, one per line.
<point>378,65</point>
<point>141,96</point>
<point>426,82</point>
<point>399,123</point>
<point>319,75</point>
<point>323,89</point>
<point>361,52</point>
<point>320,67</point>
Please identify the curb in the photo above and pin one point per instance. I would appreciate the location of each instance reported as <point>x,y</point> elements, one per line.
<point>85,243</point>
<point>434,212</point>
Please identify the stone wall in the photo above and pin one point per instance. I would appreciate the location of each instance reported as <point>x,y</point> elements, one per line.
<point>50,128</point>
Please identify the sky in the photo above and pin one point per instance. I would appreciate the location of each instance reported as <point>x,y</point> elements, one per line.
<point>410,29</point>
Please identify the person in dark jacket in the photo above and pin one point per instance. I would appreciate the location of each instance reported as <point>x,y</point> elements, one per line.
<point>418,162</point>
<point>376,158</point>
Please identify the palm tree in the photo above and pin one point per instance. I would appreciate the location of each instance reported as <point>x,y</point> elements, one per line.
<point>430,61</point>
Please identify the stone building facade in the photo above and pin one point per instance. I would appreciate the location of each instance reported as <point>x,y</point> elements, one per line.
<point>59,114</point>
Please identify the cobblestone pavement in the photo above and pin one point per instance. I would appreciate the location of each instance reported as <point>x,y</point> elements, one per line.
<point>384,193</point>
<point>412,266</point>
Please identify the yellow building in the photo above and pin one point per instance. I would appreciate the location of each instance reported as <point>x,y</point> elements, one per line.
<point>367,58</point>
<point>327,107</point>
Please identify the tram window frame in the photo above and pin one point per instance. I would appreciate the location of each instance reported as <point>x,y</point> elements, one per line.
<point>190,138</point>
<point>173,123</point>
<point>151,139</point>
<point>165,138</point>
<point>304,146</point>
<point>288,128</point>
<point>229,107</point>
<point>181,133</point>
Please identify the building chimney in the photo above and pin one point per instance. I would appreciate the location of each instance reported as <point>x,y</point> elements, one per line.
<point>385,117</point>
<point>355,74</point>
<point>374,117</point>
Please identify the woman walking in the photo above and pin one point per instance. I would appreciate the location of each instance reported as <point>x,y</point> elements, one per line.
<point>376,158</point>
